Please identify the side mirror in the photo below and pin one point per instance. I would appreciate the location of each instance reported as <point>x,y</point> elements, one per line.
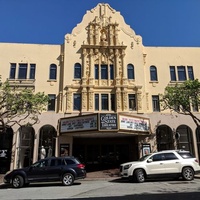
<point>150,160</point>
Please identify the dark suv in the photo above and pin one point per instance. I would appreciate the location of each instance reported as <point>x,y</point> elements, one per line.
<point>65,169</point>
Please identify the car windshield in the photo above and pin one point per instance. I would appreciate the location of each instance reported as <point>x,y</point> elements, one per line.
<point>144,157</point>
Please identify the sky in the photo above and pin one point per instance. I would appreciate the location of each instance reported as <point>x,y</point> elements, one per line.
<point>159,22</point>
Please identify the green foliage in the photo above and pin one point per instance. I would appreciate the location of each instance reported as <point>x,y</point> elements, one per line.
<point>182,97</point>
<point>20,107</point>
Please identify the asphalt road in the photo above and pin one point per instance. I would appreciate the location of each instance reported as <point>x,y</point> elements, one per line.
<point>108,189</point>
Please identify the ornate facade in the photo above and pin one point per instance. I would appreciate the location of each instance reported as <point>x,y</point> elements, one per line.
<point>104,86</point>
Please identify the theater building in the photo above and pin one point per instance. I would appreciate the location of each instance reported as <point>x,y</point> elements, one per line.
<point>104,87</point>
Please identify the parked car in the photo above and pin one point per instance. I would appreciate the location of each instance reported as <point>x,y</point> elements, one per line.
<point>170,163</point>
<point>63,169</point>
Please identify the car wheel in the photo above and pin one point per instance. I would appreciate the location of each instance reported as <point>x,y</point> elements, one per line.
<point>139,175</point>
<point>18,181</point>
<point>188,174</point>
<point>68,179</point>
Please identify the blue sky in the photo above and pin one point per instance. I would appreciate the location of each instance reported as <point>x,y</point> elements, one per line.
<point>159,22</point>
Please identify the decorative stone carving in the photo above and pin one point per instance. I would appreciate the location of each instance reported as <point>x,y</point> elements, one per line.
<point>125,103</point>
<point>84,99</point>
<point>74,43</point>
<point>139,100</point>
<point>147,100</point>
<point>91,94</point>
<point>104,40</point>
<point>69,101</point>
<point>132,45</point>
<point>118,98</point>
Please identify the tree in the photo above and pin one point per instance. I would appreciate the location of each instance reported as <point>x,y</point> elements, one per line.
<point>181,97</point>
<point>20,106</point>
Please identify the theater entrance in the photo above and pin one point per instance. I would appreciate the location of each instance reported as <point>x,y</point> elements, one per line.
<point>105,153</point>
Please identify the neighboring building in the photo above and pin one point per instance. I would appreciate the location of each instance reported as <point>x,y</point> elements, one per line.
<point>104,87</point>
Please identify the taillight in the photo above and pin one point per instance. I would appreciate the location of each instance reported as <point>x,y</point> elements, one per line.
<point>196,161</point>
<point>81,166</point>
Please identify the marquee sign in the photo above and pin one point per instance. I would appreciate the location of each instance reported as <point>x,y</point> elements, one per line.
<point>83,123</point>
<point>134,123</point>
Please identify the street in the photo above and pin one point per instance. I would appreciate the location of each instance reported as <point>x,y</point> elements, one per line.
<point>107,189</point>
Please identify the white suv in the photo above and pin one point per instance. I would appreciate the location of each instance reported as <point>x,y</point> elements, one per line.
<point>170,163</point>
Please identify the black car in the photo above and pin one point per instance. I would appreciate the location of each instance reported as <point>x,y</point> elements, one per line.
<point>64,169</point>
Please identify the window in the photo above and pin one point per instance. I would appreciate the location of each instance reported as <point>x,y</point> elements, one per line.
<point>170,156</point>
<point>195,106</point>
<point>96,71</point>
<point>153,73</point>
<point>155,102</point>
<point>53,72</point>
<point>56,162</point>
<point>111,72</point>
<point>181,73</point>
<point>157,157</point>
<point>130,71</point>
<point>22,71</point>
<point>104,72</point>
<point>77,101</point>
<point>113,102</point>
<point>32,71</point>
<point>52,102</point>
<point>96,101</point>
<point>190,73</point>
<point>12,70</point>
<point>69,162</point>
<point>172,73</point>
<point>77,71</point>
<point>132,101</point>
<point>104,101</point>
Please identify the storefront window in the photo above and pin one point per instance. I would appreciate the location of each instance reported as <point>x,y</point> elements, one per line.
<point>26,145</point>
<point>47,142</point>
<point>164,138</point>
<point>185,141</point>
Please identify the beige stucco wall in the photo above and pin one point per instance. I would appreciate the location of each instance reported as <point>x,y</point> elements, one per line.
<point>66,55</point>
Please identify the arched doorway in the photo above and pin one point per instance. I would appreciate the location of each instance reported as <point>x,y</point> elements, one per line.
<point>47,141</point>
<point>164,138</point>
<point>185,140</point>
<point>26,146</point>
<point>6,141</point>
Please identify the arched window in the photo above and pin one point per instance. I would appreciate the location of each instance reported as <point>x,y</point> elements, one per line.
<point>26,146</point>
<point>53,72</point>
<point>185,141</point>
<point>130,71</point>
<point>164,138</point>
<point>153,73</point>
<point>47,141</point>
<point>77,70</point>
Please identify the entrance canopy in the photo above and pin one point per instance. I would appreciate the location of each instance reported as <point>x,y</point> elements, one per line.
<point>104,122</point>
